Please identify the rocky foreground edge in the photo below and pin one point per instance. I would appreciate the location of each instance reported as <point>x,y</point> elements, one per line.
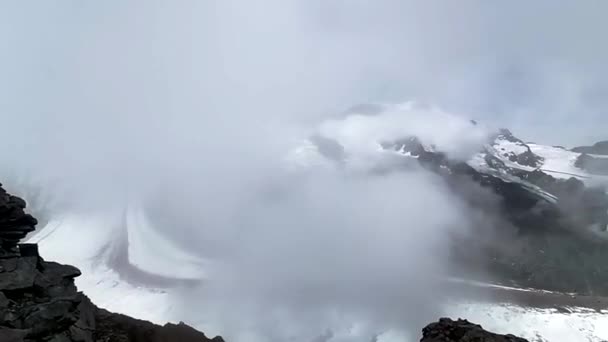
<point>40,302</point>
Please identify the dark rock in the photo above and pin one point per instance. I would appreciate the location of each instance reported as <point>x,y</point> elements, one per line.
<point>4,302</point>
<point>447,330</point>
<point>410,145</point>
<point>552,224</point>
<point>17,273</point>
<point>15,224</point>
<point>598,148</point>
<point>593,165</point>
<point>114,327</point>
<point>526,158</point>
<point>28,250</point>
<point>57,315</point>
<point>12,335</point>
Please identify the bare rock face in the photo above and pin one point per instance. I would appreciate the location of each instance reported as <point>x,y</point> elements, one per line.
<point>447,330</point>
<point>39,300</point>
<point>15,224</point>
<point>115,327</point>
<point>598,148</point>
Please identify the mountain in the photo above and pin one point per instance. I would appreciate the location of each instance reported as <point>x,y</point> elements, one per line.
<point>593,159</point>
<point>447,330</point>
<point>598,148</point>
<point>554,208</point>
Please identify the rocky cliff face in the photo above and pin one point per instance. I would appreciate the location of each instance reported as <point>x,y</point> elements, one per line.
<point>598,148</point>
<point>447,330</point>
<point>40,302</point>
<point>552,203</point>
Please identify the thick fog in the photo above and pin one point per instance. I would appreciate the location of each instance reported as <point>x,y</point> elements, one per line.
<point>191,108</point>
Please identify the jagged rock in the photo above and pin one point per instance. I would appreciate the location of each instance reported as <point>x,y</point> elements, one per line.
<point>591,164</point>
<point>15,224</point>
<point>598,148</point>
<point>17,273</point>
<point>447,330</point>
<point>114,327</point>
<point>12,335</point>
<point>526,158</point>
<point>4,302</point>
<point>554,221</point>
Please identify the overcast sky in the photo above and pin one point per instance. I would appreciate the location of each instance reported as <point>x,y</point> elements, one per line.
<point>518,63</point>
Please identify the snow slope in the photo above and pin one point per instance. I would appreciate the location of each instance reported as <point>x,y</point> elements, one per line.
<point>91,243</point>
<point>538,325</point>
<point>559,162</point>
<point>165,259</point>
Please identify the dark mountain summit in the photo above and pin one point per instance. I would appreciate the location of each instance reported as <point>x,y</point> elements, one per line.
<point>447,330</point>
<point>550,221</point>
<point>598,148</point>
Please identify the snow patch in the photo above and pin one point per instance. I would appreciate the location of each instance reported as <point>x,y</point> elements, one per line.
<point>558,162</point>
<point>83,241</point>
<point>535,324</point>
<point>151,252</point>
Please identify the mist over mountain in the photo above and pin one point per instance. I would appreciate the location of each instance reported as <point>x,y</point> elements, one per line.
<point>312,165</point>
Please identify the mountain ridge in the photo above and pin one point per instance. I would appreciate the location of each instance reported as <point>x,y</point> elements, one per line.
<point>556,208</point>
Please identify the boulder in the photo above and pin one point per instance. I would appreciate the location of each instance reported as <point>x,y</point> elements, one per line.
<point>447,330</point>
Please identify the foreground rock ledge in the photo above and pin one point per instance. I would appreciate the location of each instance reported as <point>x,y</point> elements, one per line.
<point>447,330</point>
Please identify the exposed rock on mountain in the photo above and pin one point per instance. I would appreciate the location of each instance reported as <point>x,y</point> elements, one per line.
<point>556,221</point>
<point>547,200</point>
<point>15,224</point>
<point>447,330</point>
<point>594,164</point>
<point>598,148</point>
<point>508,146</point>
<point>115,327</point>
<point>39,300</point>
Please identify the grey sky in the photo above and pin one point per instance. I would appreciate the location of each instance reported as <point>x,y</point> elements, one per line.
<point>516,63</point>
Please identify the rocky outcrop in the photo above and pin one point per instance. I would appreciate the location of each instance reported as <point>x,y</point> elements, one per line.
<point>557,227</point>
<point>15,224</point>
<point>597,165</point>
<point>598,148</point>
<point>121,328</point>
<point>525,157</point>
<point>40,302</point>
<point>447,330</point>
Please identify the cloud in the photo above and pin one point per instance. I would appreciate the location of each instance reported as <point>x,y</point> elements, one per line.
<point>190,107</point>
<point>330,251</point>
